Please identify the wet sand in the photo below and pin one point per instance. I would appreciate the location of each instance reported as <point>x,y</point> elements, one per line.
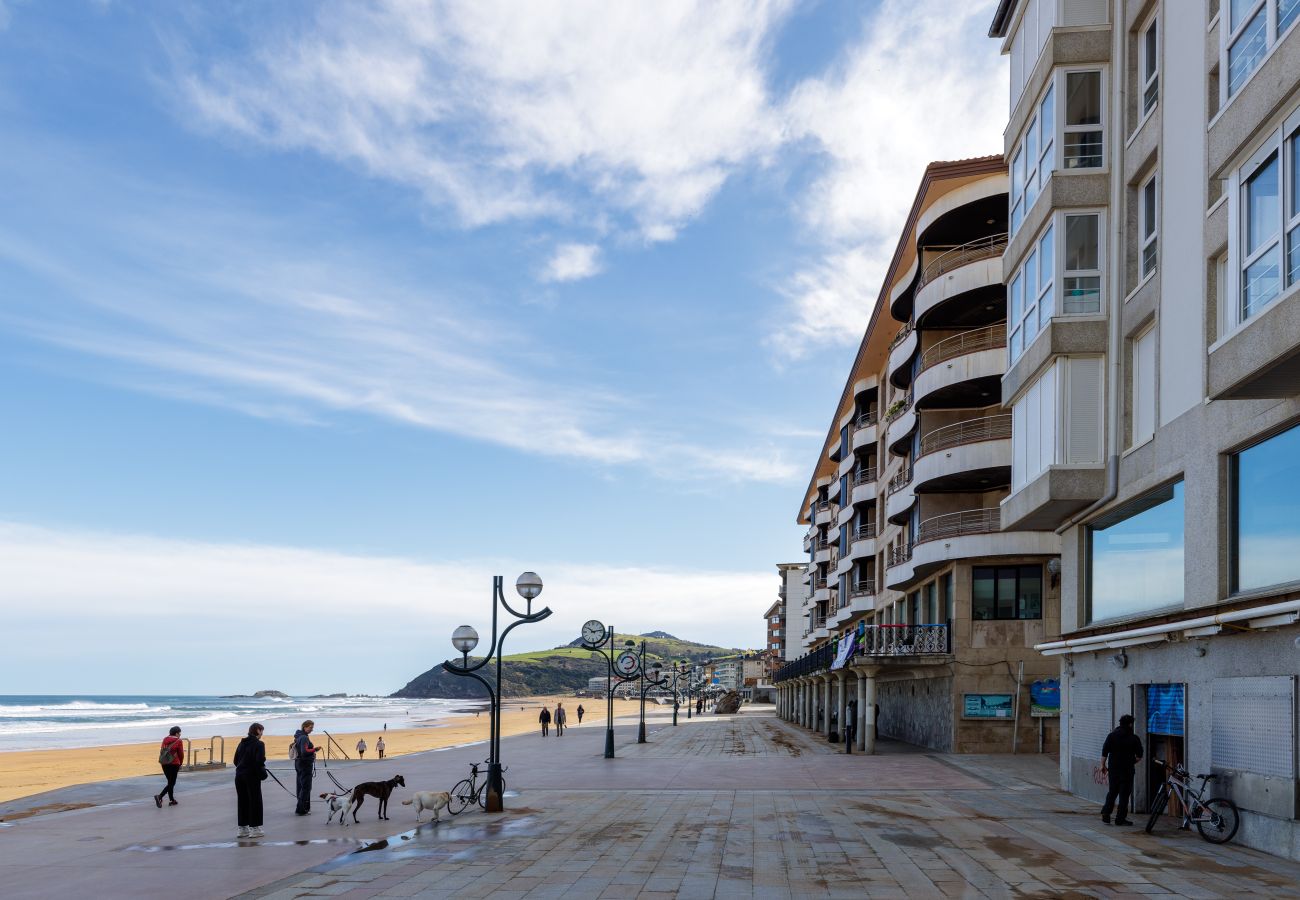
<point>27,772</point>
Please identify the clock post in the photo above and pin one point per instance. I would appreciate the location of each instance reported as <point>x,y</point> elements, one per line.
<point>599,639</point>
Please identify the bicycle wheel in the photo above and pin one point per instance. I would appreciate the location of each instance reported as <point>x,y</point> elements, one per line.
<point>482,792</point>
<point>1220,821</point>
<point>461,795</point>
<point>1158,806</point>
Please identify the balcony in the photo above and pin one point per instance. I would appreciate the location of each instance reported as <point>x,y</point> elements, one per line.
<point>898,567</point>
<point>901,351</point>
<point>900,422</point>
<point>990,337</point>
<point>990,247</point>
<point>950,525</point>
<point>1260,360</point>
<point>963,370</point>
<point>826,512</point>
<point>864,431</point>
<point>973,534</point>
<point>905,640</point>
<point>900,496</point>
<point>987,428</point>
<point>969,456</point>
<point>970,274</point>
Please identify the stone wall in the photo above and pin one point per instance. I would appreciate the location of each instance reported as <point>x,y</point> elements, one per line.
<point>918,711</point>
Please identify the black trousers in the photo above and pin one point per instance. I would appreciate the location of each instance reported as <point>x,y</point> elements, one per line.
<point>170,772</point>
<point>559,728</point>
<point>1121,790</point>
<point>248,788</point>
<point>303,768</point>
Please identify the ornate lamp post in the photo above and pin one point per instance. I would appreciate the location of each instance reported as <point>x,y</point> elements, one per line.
<point>656,679</point>
<point>680,668</point>
<point>623,668</point>
<point>465,639</point>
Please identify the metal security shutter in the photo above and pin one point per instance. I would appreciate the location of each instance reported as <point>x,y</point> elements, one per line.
<point>1083,411</point>
<point>1254,725</point>
<point>1092,717</point>
<point>1084,12</point>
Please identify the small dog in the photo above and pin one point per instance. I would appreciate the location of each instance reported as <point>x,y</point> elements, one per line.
<point>380,790</point>
<point>337,803</point>
<point>430,800</point>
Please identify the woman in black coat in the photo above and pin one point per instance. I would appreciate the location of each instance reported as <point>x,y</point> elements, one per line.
<point>250,772</point>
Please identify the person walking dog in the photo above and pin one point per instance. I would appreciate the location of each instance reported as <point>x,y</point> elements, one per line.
<point>303,753</point>
<point>545,718</point>
<point>1119,756</point>
<point>250,772</point>
<point>171,756</point>
<point>560,718</point>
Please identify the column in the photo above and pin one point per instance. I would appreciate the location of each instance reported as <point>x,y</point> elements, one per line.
<point>869,708</point>
<point>826,708</point>
<point>842,701</point>
<point>862,710</point>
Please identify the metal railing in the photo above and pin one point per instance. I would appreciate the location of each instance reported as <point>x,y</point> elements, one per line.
<point>863,589</point>
<point>866,531</point>
<point>215,750</point>
<point>898,408</point>
<point>972,251</point>
<point>902,335</point>
<point>822,543</point>
<point>990,337</point>
<point>949,525</point>
<point>816,661</point>
<point>901,480</point>
<point>866,420</point>
<point>899,555</point>
<point>905,640</point>
<point>971,431</point>
<point>818,582</point>
<point>864,475</point>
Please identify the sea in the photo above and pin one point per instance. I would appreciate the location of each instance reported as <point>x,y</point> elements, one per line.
<point>44,722</point>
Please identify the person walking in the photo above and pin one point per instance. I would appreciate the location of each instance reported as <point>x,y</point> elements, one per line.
<point>545,718</point>
<point>1119,756</point>
<point>361,748</point>
<point>303,753</point>
<point>171,755</point>
<point>379,747</point>
<point>560,718</point>
<point>850,725</point>
<point>580,712</point>
<point>250,772</point>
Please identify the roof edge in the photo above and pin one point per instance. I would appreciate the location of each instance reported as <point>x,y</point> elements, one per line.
<point>1001,17</point>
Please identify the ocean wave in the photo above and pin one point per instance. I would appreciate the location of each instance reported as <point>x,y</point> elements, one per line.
<point>79,708</point>
<point>57,727</point>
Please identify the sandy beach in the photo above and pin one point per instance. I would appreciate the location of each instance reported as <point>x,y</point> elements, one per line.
<point>27,772</point>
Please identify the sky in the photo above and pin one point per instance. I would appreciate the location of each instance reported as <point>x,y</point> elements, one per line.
<point>315,316</point>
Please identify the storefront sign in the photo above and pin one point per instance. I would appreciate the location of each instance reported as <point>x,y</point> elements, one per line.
<point>988,706</point>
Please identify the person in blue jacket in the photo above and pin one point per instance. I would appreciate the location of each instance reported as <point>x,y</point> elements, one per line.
<point>304,763</point>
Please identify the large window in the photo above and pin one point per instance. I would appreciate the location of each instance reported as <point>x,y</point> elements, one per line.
<point>1266,241</point>
<point>1032,164</point>
<point>1253,27</point>
<point>1144,387</point>
<point>1084,143</point>
<point>1081,264</point>
<point>1148,219</point>
<point>1266,498</point>
<point>1149,65</point>
<point>1007,592</point>
<point>1135,556</point>
<point>1030,295</point>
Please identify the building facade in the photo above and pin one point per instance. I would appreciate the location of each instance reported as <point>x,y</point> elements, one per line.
<point>921,608</point>
<point>1153,374</point>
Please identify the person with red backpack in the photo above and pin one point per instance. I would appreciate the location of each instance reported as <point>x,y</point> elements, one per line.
<point>171,756</point>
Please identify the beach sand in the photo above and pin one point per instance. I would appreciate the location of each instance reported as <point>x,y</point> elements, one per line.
<point>27,772</point>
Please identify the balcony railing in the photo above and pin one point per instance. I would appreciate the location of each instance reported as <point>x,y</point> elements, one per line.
<point>905,640</point>
<point>901,480</point>
<point>817,661</point>
<point>819,582</point>
<point>862,589</point>
<point>866,420</point>
<point>822,543</point>
<point>898,407</point>
<point>864,475</point>
<point>865,532</point>
<point>899,555</point>
<point>950,525</point>
<point>990,337</point>
<point>974,251</point>
<point>971,431</point>
<point>902,335</point>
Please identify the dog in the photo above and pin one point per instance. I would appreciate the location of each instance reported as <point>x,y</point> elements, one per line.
<point>337,803</point>
<point>380,790</point>
<point>430,800</point>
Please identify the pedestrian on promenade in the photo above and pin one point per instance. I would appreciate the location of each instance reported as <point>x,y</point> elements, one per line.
<point>560,718</point>
<point>303,753</point>
<point>545,719</point>
<point>580,712</point>
<point>1119,755</point>
<point>171,755</point>
<point>850,726</point>
<point>379,747</point>
<point>250,772</point>
<point>361,748</point>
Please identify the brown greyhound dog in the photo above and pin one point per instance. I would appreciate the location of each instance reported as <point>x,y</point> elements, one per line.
<point>380,790</point>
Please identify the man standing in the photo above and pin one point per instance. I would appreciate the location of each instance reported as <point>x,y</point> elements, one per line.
<point>580,712</point>
<point>379,747</point>
<point>1119,755</point>
<point>545,718</point>
<point>850,726</point>
<point>303,753</point>
<point>560,718</point>
<point>361,748</point>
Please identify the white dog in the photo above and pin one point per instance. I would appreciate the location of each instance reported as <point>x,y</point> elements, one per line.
<point>430,800</point>
<point>338,803</point>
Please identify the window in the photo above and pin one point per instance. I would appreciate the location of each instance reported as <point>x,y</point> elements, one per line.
<point>1253,27</point>
<point>1265,243</point>
<point>1266,495</point>
<point>1081,284</point>
<point>1144,387</point>
<point>1135,556</point>
<point>1030,295</point>
<point>1147,226</point>
<point>1083,144</point>
<point>950,596</point>
<point>1007,592</point>
<point>1032,164</point>
<point>1149,66</point>
<point>1260,282</point>
<point>931,607</point>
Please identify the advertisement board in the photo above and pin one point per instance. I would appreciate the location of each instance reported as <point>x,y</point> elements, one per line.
<point>987,706</point>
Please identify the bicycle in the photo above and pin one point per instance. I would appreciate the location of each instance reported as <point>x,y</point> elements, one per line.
<point>469,790</point>
<point>1217,818</point>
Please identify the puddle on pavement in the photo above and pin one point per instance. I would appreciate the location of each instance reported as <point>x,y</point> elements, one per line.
<point>222,845</point>
<point>460,841</point>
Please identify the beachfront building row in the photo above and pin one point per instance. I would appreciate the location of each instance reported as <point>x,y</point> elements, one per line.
<point>922,611</point>
<point>1153,375</point>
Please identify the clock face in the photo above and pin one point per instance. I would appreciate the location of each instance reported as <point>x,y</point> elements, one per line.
<point>593,632</point>
<point>626,664</point>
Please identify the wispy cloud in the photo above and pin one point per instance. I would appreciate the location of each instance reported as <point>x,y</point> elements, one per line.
<point>572,262</point>
<point>256,598</point>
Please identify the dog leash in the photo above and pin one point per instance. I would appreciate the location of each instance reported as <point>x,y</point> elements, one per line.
<point>281,784</point>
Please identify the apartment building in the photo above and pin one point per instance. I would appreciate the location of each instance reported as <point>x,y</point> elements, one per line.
<point>791,594</point>
<point>1153,373</point>
<point>920,605</point>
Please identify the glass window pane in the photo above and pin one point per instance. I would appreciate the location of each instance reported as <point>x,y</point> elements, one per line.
<point>1017,215</point>
<point>1047,259</point>
<point>1149,208</point>
<point>1030,600</point>
<point>1293,256</point>
<point>983,582</point>
<point>1081,294</point>
<point>1045,165</point>
<point>1047,115</point>
<point>1017,299</point>
<point>1083,98</point>
<point>1031,146</point>
<point>1247,51</point>
<point>1083,150</point>
<point>1046,308</point>
<point>1262,218</point>
<point>1136,564</point>
<point>1238,10</point>
<point>1080,243</point>
<point>1016,344</point>
<point>1287,12</point>
<point>1149,52</point>
<point>1006,593</point>
<point>1031,279</point>
<point>1294,144</point>
<point>1268,495</point>
<point>1017,175</point>
<point>1260,283</point>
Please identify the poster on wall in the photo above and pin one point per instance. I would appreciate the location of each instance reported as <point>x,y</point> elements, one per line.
<point>1045,698</point>
<point>988,706</point>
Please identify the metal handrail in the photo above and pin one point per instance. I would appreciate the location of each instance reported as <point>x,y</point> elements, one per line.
<point>865,420</point>
<point>990,337</point>
<point>866,531</point>
<point>899,410</point>
<point>972,251</point>
<point>903,332</point>
<point>905,640</point>
<point>863,589</point>
<point>901,480</point>
<point>864,476</point>
<point>970,521</point>
<point>971,431</point>
<point>899,555</point>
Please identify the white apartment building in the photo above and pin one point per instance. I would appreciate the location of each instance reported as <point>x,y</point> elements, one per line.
<point>1153,374</point>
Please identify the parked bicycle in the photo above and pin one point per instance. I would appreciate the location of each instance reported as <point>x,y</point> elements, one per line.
<point>471,790</point>
<point>1216,818</point>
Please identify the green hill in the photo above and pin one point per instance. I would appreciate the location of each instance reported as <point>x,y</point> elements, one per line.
<point>559,670</point>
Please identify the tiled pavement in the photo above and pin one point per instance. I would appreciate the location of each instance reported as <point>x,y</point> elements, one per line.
<point>752,807</point>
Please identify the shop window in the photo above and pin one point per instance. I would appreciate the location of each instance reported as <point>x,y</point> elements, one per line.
<point>1135,556</point>
<point>1007,592</point>
<point>1266,496</point>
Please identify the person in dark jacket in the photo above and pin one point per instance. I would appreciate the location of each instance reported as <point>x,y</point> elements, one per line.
<point>171,769</point>
<point>250,772</point>
<point>304,764</point>
<point>561,719</point>
<point>545,718</point>
<point>580,712</point>
<point>1119,755</point>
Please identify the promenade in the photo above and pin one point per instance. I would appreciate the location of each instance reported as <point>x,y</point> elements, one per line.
<point>740,806</point>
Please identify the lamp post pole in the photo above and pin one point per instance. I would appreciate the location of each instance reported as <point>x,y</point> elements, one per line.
<point>656,680</point>
<point>465,639</point>
<point>596,638</point>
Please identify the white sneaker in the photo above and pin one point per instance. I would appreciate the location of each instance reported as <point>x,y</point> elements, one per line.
<point>243,831</point>
<point>256,832</point>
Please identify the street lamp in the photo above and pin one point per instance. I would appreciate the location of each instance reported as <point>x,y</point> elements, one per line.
<point>656,679</point>
<point>465,639</point>
<point>626,667</point>
<point>680,668</point>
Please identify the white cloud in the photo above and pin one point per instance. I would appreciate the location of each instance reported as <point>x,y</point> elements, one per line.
<point>832,300</point>
<point>572,262</point>
<point>302,607</point>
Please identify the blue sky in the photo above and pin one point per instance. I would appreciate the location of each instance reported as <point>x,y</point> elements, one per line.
<point>315,316</point>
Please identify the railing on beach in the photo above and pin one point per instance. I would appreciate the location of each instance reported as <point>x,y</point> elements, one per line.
<point>215,751</point>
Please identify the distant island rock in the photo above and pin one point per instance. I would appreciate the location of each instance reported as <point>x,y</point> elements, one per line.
<point>328,697</point>
<point>280,694</point>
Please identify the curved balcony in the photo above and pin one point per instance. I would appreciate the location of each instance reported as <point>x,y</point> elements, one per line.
<point>901,352</point>
<point>865,491</point>
<point>974,534</point>
<point>901,423</point>
<point>833,492</point>
<point>964,370</point>
<point>826,512</point>
<point>900,497</point>
<point>974,455</point>
<point>974,268</point>
<point>846,465</point>
<point>845,516</point>
<point>899,569</point>
<point>863,545</point>
<point>823,553</point>
<point>864,431</point>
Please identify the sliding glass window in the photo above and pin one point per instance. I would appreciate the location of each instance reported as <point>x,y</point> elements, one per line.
<point>1135,556</point>
<point>1266,498</point>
